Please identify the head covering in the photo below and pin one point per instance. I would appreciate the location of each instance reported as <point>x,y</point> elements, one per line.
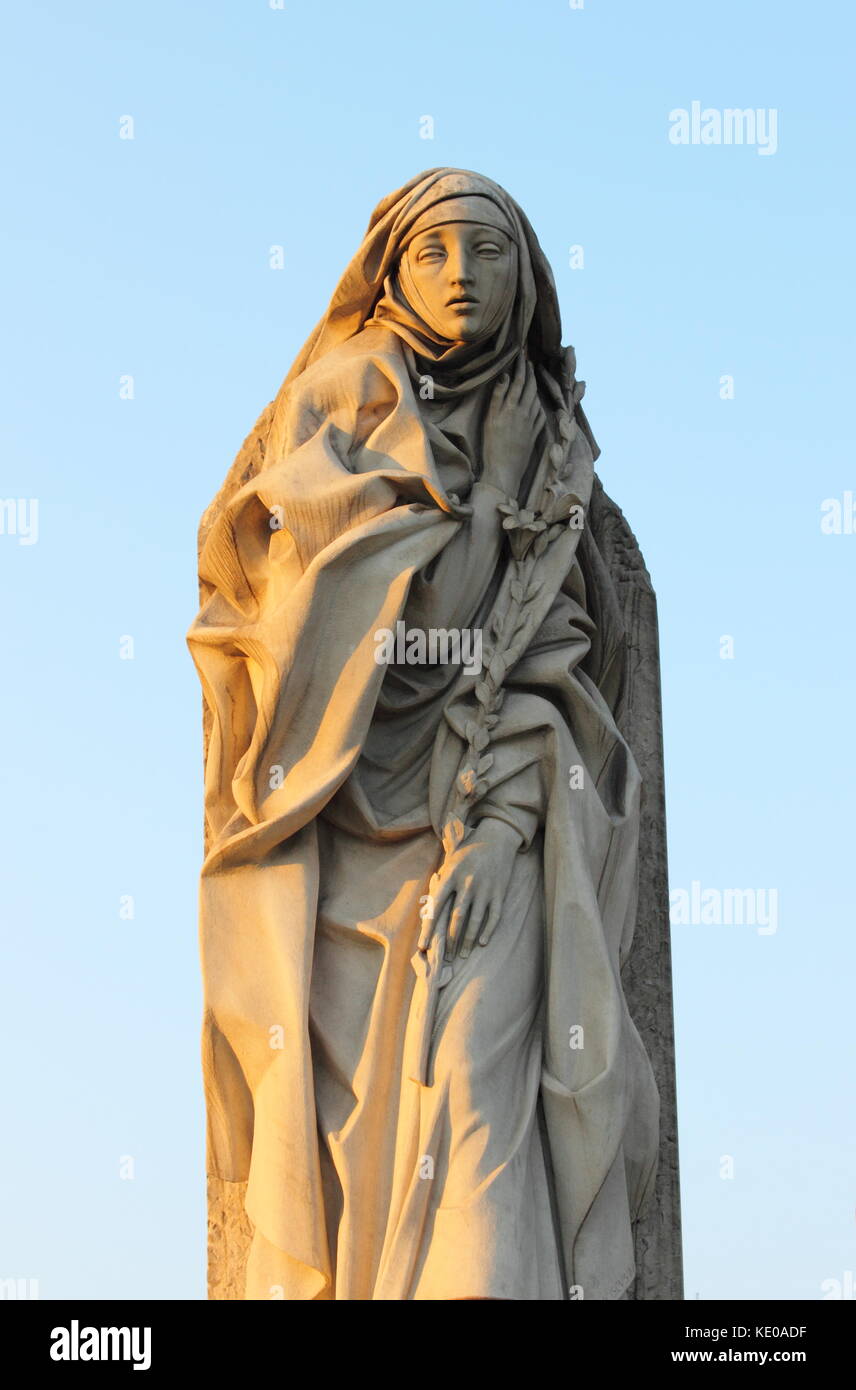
<point>462,207</point>
<point>460,366</point>
<point>370,291</point>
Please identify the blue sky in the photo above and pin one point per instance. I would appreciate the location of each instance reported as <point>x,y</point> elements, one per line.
<point>256,127</point>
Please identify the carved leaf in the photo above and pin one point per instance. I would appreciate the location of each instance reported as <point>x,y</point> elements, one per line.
<point>453,833</point>
<point>467,780</point>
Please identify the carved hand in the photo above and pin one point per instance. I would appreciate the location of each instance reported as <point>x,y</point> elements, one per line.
<point>513,422</point>
<point>474,880</point>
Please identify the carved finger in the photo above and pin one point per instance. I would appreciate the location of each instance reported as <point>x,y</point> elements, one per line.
<point>498,394</point>
<point>457,926</point>
<point>492,923</point>
<point>537,417</point>
<point>530,388</point>
<point>518,381</point>
<point>474,926</point>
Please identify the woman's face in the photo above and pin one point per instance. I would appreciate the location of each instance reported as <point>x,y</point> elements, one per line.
<point>462,272</point>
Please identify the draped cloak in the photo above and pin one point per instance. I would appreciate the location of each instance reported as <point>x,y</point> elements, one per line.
<point>327,782</point>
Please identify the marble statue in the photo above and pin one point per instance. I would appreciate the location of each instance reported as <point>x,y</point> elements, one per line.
<point>427,646</point>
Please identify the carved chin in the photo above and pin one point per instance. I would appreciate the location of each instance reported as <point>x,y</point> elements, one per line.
<point>465,329</point>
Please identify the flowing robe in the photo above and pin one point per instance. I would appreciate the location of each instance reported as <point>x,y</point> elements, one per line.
<point>518,1173</point>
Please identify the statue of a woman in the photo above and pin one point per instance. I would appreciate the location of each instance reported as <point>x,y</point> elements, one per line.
<point>422,1077</point>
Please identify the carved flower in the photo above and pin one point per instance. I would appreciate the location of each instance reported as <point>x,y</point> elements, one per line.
<point>524,525</point>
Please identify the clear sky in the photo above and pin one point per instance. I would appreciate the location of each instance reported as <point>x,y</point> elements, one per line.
<point>257,127</point>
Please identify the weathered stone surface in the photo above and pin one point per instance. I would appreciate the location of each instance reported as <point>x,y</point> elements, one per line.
<point>648,972</point>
